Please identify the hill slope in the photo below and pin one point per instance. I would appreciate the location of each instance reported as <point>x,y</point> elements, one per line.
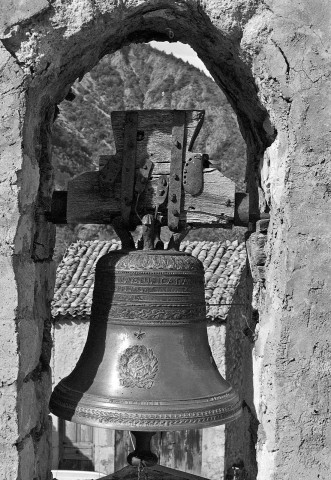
<point>140,77</point>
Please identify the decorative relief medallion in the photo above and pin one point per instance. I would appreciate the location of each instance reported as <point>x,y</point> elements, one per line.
<point>138,367</point>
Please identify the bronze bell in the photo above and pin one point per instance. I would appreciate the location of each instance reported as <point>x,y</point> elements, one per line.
<point>147,364</point>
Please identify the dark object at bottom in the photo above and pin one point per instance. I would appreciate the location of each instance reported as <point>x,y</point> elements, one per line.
<point>142,453</point>
<point>157,472</point>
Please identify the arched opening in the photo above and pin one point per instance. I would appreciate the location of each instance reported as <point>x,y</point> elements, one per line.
<point>140,77</point>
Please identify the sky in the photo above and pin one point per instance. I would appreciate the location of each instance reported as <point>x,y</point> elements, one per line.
<point>183,51</point>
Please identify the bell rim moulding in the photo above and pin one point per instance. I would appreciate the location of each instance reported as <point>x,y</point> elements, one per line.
<point>198,413</point>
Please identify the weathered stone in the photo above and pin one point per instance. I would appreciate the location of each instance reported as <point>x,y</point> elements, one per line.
<point>9,461</point>
<point>212,462</point>
<point>9,430</point>
<point>43,448</point>
<point>27,459</point>
<point>64,359</point>
<point>30,408</point>
<point>272,60</point>
<point>16,11</point>
<point>216,339</point>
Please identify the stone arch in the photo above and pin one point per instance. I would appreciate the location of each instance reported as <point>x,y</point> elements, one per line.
<point>58,45</point>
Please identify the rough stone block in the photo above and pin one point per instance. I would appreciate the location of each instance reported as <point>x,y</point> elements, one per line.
<point>31,334</point>
<point>216,339</point>
<point>43,448</point>
<point>25,271</point>
<point>29,408</point>
<point>27,459</point>
<point>7,288</point>
<point>9,429</point>
<point>9,360</point>
<point>213,441</point>
<point>67,333</point>
<point>104,453</point>
<point>16,11</point>
<point>29,182</point>
<point>9,460</point>
<point>44,240</point>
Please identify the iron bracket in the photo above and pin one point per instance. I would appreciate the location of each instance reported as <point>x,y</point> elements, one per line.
<point>176,169</point>
<point>161,190</point>
<point>143,176</point>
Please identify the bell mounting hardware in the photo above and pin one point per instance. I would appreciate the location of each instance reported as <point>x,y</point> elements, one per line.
<point>154,148</point>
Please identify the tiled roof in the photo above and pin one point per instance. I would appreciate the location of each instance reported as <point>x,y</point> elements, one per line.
<point>223,264</point>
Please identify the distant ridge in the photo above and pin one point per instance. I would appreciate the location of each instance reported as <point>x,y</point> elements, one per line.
<point>138,77</point>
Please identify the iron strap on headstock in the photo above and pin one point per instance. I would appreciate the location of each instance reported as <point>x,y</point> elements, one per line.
<point>178,148</point>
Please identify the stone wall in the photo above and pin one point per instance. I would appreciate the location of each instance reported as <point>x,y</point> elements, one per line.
<point>271,58</point>
<point>241,436</point>
<point>231,344</point>
<point>292,354</point>
<point>26,287</point>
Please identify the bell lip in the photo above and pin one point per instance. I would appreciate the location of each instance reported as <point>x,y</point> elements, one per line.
<point>175,415</point>
<point>164,423</point>
<point>157,428</point>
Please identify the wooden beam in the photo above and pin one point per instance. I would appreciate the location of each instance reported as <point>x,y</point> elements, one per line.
<point>147,137</point>
<point>213,207</point>
<point>128,164</point>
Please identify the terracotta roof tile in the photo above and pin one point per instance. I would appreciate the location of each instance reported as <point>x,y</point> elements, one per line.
<point>223,264</point>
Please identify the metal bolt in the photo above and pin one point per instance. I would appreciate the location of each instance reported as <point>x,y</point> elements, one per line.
<point>178,144</point>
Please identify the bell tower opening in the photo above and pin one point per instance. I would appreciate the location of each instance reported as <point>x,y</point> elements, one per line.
<point>141,76</point>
